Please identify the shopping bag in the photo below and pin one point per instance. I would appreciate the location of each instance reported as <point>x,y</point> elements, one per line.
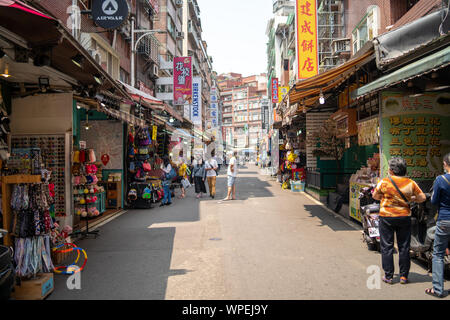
<point>185,183</point>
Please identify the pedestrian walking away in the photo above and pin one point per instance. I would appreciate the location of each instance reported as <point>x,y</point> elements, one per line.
<point>395,192</point>
<point>211,166</point>
<point>441,198</point>
<point>183,175</point>
<point>199,174</point>
<point>231,177</point>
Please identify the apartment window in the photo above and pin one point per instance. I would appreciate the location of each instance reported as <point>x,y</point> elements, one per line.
<point>240,95</point>
<point>105,57</point>
<point>171,28</point>
<point>165,88</point>
<point>367,29</point>
<point>240,107</point>
<point>124,76</point>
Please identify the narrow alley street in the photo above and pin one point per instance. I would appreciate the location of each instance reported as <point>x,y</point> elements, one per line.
<point>268,244</point>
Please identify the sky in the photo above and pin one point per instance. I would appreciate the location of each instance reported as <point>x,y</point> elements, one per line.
<point>235,31</point>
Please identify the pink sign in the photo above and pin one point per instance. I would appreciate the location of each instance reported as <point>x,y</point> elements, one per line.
<point>182,80</point>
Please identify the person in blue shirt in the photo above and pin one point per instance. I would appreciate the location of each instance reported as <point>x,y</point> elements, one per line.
<point>441,198</point>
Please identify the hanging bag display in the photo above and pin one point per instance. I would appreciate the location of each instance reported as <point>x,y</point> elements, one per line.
<point>146,166</point>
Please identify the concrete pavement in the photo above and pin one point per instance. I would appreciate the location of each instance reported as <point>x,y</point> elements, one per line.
<point>268,244</point>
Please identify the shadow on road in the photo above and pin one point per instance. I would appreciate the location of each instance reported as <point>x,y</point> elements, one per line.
<point>327,219</point>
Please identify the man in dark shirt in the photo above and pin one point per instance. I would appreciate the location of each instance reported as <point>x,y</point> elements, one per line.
<point>441,198</point>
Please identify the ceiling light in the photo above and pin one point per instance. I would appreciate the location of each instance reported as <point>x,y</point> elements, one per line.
<point>102,104</point>
<point>5,73</point>
<point>171,120</point>
<point>78,60</point>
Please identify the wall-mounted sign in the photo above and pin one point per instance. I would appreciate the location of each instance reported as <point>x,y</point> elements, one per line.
<point>283,91</point>
<point>274,88</point>
<point>182,80</point>
<point>306,31</point>
<point>196,110</point>
<point>110,14</point>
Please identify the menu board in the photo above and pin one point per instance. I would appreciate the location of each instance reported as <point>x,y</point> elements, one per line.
<point>416,128</point>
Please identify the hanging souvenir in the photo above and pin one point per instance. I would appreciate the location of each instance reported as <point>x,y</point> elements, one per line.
<point>105,159</point>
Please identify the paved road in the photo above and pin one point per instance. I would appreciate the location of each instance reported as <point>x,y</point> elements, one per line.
<point>267,244</point>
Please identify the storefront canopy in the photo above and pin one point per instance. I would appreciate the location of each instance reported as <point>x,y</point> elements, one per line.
<point>125,116</point>
<point>308,91</point>
<point>423,66</point>
<point>141,96</point>
<point>40,33</point>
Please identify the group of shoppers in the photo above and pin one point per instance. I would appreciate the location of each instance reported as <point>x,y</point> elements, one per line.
<point>395,193</point>
<point>203,171</point>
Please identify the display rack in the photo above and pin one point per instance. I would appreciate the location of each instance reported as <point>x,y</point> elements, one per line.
<point>7,182</point>
<point>86,232</point>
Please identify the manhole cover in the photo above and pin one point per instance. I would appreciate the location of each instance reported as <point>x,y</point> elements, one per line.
<point>215,239</point>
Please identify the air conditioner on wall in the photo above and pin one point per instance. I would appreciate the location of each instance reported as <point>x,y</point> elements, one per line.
<point>155,71</point>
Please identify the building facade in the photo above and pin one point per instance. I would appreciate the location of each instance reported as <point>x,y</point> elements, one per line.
<point>241,100</point>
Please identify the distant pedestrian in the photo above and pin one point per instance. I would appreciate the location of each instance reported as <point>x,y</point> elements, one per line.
<point>166,168</point>
<point>441,198</point>
<point>211,166</point>
<point>199,174</point>
<point>182,175</point>
<point>232,176</point>
<point>395,193</point>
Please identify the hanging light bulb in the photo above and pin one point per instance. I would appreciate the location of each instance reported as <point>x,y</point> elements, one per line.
<point>321,98</point>
<point>87,126</point>
<point>6,74</point>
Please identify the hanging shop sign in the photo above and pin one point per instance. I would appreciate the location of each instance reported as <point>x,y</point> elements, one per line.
<point>196,110</point>
<point>214,108</point>
<point>282,92</point>
<point>417,129</point>
<point>368,132</point>
<point>110,14</point>
<point>154,133</point>
<point>274,87</point>
<point>182,80</point>
<point>306,32</point>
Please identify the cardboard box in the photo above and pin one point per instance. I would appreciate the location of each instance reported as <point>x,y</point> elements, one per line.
<point>34,289</point>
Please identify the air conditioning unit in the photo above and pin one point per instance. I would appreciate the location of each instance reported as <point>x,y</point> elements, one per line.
<point>179,3</point>
<point>180,35</point>
<point>154,71</point>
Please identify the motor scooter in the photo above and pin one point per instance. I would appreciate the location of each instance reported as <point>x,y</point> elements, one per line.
<point>370,210</point>
<point>423,229</point>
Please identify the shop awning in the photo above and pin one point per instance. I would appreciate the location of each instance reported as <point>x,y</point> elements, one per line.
<point>24,7</point>
<point>308,91</point>
<point>124,116</point>
<point>141,96</point>
<point>35,31</point>
<point>425,65</point>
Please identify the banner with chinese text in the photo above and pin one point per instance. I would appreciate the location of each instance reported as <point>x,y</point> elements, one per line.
<point>182,80</point>
<point>282,92</point>
<point>417,129</point>
<point>307,44</point>
<point>214,108</point>
<point>274,88</point>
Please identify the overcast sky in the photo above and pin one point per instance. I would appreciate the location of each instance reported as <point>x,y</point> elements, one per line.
<point>235,33</point>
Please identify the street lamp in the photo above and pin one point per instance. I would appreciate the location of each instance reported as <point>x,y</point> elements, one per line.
<point>134,45</point>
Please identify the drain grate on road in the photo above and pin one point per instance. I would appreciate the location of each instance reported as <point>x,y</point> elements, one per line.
<point>215,239</point>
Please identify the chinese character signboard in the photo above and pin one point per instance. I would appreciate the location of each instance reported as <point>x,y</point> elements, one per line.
<point>196,110</point>
<point>368,132</point>
<point>417,129</point>
<point>307,50</point>
<point>182,80</point>
<point>214,108</point>
<point>274,88</point>
<point>282,92</point>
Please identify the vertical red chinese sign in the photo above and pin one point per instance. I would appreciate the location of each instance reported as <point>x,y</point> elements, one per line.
<point>274,88</point>
<point>182,80</point>
<point>307,43</point>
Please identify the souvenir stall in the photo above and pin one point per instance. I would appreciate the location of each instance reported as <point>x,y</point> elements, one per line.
<point>97,165</point>
<point>143,165</point>
<point>292,160</point>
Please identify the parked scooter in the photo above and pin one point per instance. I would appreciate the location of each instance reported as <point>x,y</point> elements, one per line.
<point>423,229</point>
<point>370,210</point>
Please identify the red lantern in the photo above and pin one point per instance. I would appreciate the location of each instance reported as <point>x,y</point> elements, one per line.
<point>105,159</point>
